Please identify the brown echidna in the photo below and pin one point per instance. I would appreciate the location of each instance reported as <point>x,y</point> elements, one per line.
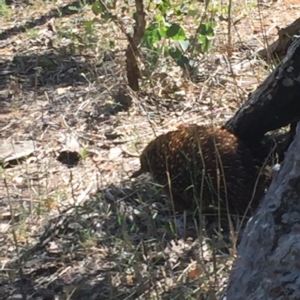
<point>203,166</point>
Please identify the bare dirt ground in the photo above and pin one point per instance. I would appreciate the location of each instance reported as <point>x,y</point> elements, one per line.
<point>72,223</point>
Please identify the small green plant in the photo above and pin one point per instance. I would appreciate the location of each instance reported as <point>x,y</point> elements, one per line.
<point>175,40</point>
<point>4,9</point>
<point>61,196</point>
<point>84,154</point>
<point>32,33</point>
<point>87,238</point>
<point>39,209</point>
<point>164,38</point>
<point>102,8</point>
<point>205,35</point>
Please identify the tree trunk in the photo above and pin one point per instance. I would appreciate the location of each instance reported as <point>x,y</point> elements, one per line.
<point>132,53</point>
<point>268,263</point>
<point>279,48</point>
<point>276,103</point>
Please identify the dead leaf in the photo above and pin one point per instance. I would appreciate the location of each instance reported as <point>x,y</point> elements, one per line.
<point>130,279</point>
<point>114,153</point>
<point>70,143</point>
<point>63,90</point>
<point>11,150</point>
<point>194,271</point>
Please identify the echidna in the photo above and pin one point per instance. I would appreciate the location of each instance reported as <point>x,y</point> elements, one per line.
<point>205,167</point>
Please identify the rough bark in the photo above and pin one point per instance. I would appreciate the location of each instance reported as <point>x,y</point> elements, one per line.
<point>276,103</point>
<point>279,48</point>
<point>133,71</point>
<point>268,263</point>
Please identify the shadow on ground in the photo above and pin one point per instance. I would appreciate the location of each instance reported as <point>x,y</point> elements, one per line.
<point>67,10</point>
<point>121,244</point>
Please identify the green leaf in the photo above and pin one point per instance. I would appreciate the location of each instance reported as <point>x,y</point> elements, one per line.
<point>202,38</point>
<point>112,44</point>
<point>106,15</point>
<point>206,34</point>
<point>176,32</point>
<point>163,32</point>
<point>184,45</point>
<point>177,11</point>
<point>175,53</point>
<point>205,43</point>
<point>110,4</point>
<point>97,8</point>
<point>193,12</point>
<point>183,61</point>
<point>73,8</point>
<point>152,35</point>
<point>164,6</point>
<point>207,29</point>
<point>88,26</point>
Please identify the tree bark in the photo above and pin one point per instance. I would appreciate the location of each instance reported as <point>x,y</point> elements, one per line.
<point>279,48</point>
<point>132,68</point>
<point>268,263</point>
<point>275,104</point>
